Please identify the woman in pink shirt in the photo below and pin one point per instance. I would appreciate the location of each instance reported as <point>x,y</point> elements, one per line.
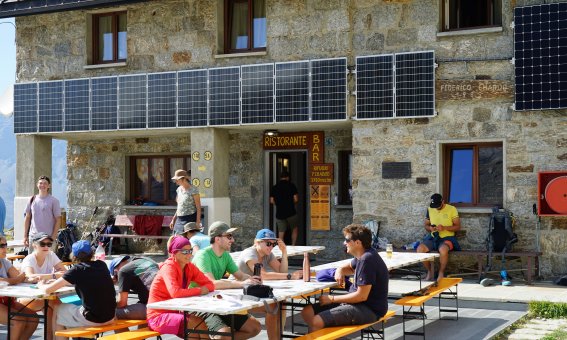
<point>172,280</point>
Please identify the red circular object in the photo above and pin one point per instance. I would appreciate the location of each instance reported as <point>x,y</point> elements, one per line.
<point>556,194</point>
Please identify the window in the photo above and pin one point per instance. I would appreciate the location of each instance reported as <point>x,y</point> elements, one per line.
<point>245,26</point>
<point>150,177</point>
<point>468,14</point>
<point>474,174</point>
<point>109,37</point>
<point>345,178</point>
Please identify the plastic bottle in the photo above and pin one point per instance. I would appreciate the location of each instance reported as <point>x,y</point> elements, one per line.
<point>100,254</point>
<point>306,267</point>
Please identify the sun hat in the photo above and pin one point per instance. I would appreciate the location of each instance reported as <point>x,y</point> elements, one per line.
<point>191,226</point>
<point>179,174</point>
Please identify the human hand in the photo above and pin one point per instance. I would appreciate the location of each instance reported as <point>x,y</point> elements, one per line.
<point>171,225</point>
<point>325,299</point>
<point>20,278</point>
<point>297,275</point>
<point>282,246</point>
<point>253,280</point>
<point>204,290</point>
<point>339,277</point>
<point>439,227</point>
<point>26,242</point>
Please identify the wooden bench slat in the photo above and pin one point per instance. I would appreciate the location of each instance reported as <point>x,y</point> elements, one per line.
<point>442,285</point>
<point>138,334</point>
<point>91,331</point>
<point>329,333</point>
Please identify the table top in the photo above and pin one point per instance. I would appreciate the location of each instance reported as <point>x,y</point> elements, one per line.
<point>230,301</point>
<point>291,251</point>
<point>16,244</point>
<point>398,260</point>
<point>30,291</point>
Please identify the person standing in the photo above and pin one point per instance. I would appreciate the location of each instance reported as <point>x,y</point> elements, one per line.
<point>194,234</point>
<point>284,196</point>
<point>214,261</point>
<point>133,274</point>
<point>441,221</point>
<point>188,203</point>
<point>43,213</point>
<point>367,299</point>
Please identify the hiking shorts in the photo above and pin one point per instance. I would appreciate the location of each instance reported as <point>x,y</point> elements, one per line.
<point>284,224</point>
<point>216,322</point>
<point>434,243</point>
<point>70,315</point>
<point>345,314</point>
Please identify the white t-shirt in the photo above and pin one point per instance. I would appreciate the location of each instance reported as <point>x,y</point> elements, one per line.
<point>50,261</point>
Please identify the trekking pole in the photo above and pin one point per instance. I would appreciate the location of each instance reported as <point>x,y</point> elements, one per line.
<point>90,220</point>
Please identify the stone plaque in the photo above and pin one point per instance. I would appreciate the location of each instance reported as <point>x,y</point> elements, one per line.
<point>473,89</point>
<point>396,170</point>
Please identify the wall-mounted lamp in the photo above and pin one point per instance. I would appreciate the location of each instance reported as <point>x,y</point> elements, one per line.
<point>271,133</point>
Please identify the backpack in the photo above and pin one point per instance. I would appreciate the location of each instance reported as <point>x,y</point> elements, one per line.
<point>65,239</point>
<point>501,234</point>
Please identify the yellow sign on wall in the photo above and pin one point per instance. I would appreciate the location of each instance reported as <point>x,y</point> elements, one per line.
<point>320,207</point>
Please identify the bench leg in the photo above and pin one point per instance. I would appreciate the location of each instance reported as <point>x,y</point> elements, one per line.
<point>373,332</point>
<point>412,315</point>
<point>529,271</point>
<point>449,295</point>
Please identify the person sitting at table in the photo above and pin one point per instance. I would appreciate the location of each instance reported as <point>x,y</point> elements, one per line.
<point>261,252</point>
<point>214,261</point>
<point>441,222</point>
<point>20,327</point>
<point>133,274</point>
<point>93,285</point>
<point>171,281</point>
<point>367,300</point>
<point>193,233</point>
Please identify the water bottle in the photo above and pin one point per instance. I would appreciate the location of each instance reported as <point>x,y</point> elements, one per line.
<point>99,252</point>
<point>306,267</point>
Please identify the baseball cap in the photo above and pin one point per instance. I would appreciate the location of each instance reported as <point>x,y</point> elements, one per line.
<point>218,228</point>
<point>40,237</point>
<point>436,201</point>
<point>81,246</point>
<point>115,262</point>
<point>190,226</point>
<point>266,234</point>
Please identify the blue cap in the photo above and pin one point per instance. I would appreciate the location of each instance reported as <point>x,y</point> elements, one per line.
<point>81,246</point>
<point>266,234</point>
<point>115,262</point>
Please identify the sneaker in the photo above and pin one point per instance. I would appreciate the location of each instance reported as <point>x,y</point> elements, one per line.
<point>487,282</point>
<point>506,283</point>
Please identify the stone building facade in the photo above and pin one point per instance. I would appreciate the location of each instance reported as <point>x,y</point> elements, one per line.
<point>173,35</point>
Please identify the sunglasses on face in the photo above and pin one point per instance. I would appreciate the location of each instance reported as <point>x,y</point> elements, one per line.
<point>3,245</point>
<point>48,244</point>
<point>186,251</point>
<point>228,236</point>
<point>271,244</point>
<point>347,240</point>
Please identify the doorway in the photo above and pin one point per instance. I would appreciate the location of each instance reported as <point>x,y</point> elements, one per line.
<point>295,163</point>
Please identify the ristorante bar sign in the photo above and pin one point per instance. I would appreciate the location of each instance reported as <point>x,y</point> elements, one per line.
<point>313,142</point>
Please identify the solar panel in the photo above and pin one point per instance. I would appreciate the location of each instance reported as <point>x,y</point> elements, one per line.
<point>25,108</point>
<point>415,84</point>
<point>292,91</point>
<point>257,93</point>
<point>328,89</point>
<point>77,107</point>
<point>192,98</point>
<point>375,87</point>
<point>104,103</point>
<point>540,56</point>
<point>50,113</point>
<point>224,96</point>
<point>132,95</point>
<point>162,100</point>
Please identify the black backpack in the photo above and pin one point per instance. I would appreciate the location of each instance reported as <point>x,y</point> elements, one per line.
<point>501,234</point>
<point>65,239</point>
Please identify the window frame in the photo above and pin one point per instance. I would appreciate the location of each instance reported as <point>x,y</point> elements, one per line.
<point>228,5</point>
<point>95,37</point>
<point>446,166</point>
<point>167,182</point>
<point>344,172</point>
<point>446,16</point>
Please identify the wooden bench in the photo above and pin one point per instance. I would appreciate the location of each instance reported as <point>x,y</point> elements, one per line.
<point>443,289</point>
<point>329,333</point>
<point>138,334</point>
<point>97,331</point>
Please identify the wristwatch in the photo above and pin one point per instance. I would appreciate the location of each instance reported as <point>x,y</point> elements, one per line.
<point>288,276</point>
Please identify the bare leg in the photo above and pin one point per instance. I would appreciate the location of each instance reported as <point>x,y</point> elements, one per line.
<point>443,260</point>
<point>281,235</point>
<point>423,249</point>
<point>294,233</point>
<point>272,325</point>
<point>197,323</point>
<point>314,322</point>
<point>250,329</point>
<point>20,327</point>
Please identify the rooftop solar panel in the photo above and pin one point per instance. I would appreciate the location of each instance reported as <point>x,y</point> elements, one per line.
<point>132,101</point>
<point>328,89</point>
<point>257,94</point>
<point>292,91</point>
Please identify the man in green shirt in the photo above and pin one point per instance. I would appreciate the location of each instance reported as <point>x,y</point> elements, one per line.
<point>214,261</point>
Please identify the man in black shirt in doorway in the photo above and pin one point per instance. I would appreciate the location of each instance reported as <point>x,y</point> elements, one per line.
<point>284,196</point>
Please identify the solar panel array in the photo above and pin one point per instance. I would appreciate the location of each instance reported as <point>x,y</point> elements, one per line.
<point>540,56</point>
<point>400,85</point>
<point>302,91</point>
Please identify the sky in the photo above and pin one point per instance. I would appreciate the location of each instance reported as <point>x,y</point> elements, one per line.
<point>8,139</point>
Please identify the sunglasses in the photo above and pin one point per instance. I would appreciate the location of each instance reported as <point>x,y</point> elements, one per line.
<point>228,236</point>
<point>3,245</point>
<point>186,251</point>
<point>347,240</point>
<point>48,244</point>
<point>271,244</point>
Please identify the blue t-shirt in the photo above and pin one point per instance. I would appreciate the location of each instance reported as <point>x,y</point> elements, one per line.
<point>371,270</point>
<point>200,240</point>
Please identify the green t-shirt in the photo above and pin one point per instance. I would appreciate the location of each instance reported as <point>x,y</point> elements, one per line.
<point>208,262</point>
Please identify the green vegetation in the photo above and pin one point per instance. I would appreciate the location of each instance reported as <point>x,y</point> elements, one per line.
<point>548,310</point>
<point>559,334</point>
